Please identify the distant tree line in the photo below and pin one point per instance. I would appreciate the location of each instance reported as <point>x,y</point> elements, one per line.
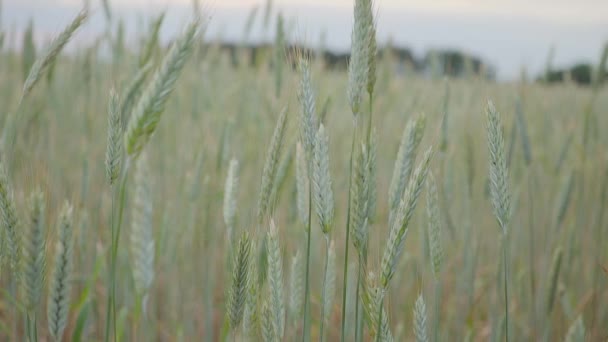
<point>436,63</point>
<point>581,73</point>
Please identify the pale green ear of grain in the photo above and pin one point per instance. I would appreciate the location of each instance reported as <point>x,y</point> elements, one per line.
<point>149,108</point>
<point>152,42</point>
<point>576,332</point>
<point>406,157</point>
<point>10,222</point>
<point>359,64</point>
<point>43,62</point>
<point>142,234</point>
<point>420,319</point>
<point>499,177</point>
<point>371,301</point>
<point>359,200</point>
<point>434,225</point>
<point>58,305</point>
<point>251,314</point>
<point>34,260</point>
<point>270,166</point>
<point>230,194</point>
<point>279,55</point>
<point>132,92</point>
<point>114,143</point>
<point>238,289</point>
<point>302,184</point>
<point>306,96</point>
<point>268,332</point>
<point>321,182</point>
<point>275,282</point>
<point>403,215</point>
<point>28,54</point>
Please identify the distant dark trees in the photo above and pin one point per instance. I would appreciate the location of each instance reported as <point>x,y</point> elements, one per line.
<point>580,73</point>
<point>436,63</point>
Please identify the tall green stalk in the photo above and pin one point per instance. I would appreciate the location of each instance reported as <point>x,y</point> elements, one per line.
<point>323,293</point>
<point>116,226</point>
<point>346,239</point>
<point>505,262</point>
<point>306,327</point>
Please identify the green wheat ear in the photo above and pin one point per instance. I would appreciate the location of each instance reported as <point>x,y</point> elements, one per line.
<point>142,235</point>
<point>151,105</point>
<point>406,156</point>
<point>58,304</point>
<point>275,282</point>
<point>302,185</point>
<point>420,319</point>
<point>296,288</point>
<point>270,166</point>
<point>403,215</point>
<point>321,180</point>
<point>499,178</point>
<point>114,143</point>
<point>34,261</point>
<point>230,194</point>
<point>10,222</point>
<point>240,275</point>
<point>43,63</point>
<point>362,60</point>
<point>307,122</point>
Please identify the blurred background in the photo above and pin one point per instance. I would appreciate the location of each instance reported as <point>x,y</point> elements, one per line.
<point>504,35</point>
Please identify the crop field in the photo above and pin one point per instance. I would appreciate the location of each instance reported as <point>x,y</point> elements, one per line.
<point>165,192</point>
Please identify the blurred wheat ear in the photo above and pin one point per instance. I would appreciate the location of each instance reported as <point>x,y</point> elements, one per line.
<point>43,62</point>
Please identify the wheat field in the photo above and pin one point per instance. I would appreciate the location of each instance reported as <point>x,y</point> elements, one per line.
<point>154,192</point>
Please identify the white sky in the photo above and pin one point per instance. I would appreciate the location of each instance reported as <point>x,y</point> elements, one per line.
<point>556,10</point>
<point>506,33</point>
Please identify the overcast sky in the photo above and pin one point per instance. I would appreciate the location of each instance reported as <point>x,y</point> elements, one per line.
<point>508,34</point>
